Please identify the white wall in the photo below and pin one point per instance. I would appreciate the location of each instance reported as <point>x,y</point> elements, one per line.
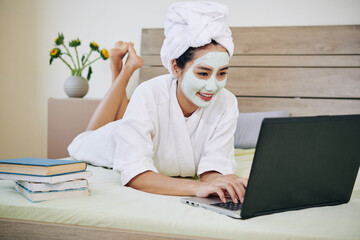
<point>28,29</point>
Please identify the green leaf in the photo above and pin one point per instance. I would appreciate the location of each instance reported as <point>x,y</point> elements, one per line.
<point>89,73</point>
<point>51,59</point>
<point>82,59</point>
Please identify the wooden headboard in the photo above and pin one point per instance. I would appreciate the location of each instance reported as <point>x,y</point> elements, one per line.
<point>313,70</point>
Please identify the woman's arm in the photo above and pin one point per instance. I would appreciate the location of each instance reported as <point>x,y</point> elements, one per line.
<point>216,184</point>
<point>153,182</point>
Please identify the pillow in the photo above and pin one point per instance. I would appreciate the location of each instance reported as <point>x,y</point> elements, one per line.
<point>248,127</point>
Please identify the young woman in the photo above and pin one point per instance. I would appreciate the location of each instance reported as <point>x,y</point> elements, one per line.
<point>180,124</point>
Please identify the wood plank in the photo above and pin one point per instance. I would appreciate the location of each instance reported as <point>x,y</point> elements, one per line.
<point>278,40</point>
<point>296,61</point>
<point>300,107</point>
<point>151,40</point>
<point>279,61</point>
<point>152,60</point>
<point>298,40</point>
<point>23,229</point>
<point>285,82</point>
<point>147,73</point>
<point>295,82</point>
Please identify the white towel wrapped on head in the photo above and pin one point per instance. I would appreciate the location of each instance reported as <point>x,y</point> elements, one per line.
<point>194,24</point>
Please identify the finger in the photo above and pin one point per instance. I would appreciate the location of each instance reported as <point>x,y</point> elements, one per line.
<point>241,193</point>
<point>227,194</point>
<point>239,189</point>
<point>230,189</point>
<point>230,185</point>
<point>221,194</point>
<point>244,181</point>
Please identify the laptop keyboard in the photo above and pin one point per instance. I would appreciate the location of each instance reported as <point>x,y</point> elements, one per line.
<point>229,205</point>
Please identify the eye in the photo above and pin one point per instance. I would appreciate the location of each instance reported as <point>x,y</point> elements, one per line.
<point>222,75</point>
<point>203,74</point>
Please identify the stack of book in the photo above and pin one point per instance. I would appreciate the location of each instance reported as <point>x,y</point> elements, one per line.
<point>41,179</point>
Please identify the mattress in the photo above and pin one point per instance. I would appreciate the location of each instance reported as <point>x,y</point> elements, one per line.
<point>114,206</point>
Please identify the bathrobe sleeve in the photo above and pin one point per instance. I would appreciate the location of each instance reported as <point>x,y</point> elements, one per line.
<point>218,152</point>
<point>134,136</point>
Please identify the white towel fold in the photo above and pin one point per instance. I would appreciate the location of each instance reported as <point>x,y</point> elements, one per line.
<point>194,24</point>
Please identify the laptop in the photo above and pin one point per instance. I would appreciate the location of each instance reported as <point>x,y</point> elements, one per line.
<point>299,162</point>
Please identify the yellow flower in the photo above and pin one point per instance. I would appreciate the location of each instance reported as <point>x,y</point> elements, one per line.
<point>104,54</point>
<point>94,46</point>
<point>55,52</point>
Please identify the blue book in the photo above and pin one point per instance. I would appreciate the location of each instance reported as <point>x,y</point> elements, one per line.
<point>40,166</point>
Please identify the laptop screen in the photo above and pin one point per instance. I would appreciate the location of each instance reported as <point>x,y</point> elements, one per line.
<point>302,162</point>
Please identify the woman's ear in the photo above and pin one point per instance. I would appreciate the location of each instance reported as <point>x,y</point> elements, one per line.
<point>175,68</point>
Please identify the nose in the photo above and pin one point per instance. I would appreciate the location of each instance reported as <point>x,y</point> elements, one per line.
<point>211,85</point>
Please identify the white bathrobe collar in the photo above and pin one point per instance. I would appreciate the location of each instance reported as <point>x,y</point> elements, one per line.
<point>184,150</point>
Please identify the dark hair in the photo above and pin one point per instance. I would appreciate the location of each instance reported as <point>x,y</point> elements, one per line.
<point>188,55</point>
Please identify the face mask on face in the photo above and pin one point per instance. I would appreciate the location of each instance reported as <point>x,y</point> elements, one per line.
<point>199,91</point>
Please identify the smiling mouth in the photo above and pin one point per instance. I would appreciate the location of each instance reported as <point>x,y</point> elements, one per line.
<point>205,96</point>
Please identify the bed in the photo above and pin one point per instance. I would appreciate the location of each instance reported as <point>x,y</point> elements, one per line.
<point>302,70</point>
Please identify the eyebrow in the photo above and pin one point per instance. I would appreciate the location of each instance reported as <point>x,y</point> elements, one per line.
<point>209,69</point>
<point>224,68</point>
<point>204,68</point>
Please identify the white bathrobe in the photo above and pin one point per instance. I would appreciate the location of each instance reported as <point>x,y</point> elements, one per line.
<point>154,135</point>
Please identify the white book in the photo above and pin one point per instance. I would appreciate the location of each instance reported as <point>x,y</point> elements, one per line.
<point>47,179</point>
<point>42,196</point>
<point>42,187</point>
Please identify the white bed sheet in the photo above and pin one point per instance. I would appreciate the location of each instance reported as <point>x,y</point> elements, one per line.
<point>114,206</point>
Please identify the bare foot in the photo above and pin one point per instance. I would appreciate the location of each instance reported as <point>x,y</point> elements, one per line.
<point>116,56</point>
<point>133,61</point>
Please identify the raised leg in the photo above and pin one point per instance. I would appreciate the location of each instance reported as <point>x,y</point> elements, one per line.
<point>116,56</point>
<point>113,105</point>
<point>133,62</point>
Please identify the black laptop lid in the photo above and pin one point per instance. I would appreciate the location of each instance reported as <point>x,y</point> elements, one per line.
<point>303,162</point>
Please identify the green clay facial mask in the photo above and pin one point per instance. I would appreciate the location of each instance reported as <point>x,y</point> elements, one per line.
<point>199,91</point>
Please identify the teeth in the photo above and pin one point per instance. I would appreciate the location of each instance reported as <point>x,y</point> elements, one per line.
<point>205,95</point>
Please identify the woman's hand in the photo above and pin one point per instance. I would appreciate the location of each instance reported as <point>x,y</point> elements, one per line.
<point>222,185</point>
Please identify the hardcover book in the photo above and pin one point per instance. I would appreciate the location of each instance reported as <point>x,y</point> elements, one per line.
<point>42,196</point>
<point>41,187</point>
<point>40,166</point>
<point>46,179</point>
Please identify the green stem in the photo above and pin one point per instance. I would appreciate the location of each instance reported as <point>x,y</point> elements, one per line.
<point>90,63</point>
<point>72,70</point>
<point>87,58</point>
<point>68,52</point>
<point>77,58</point>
